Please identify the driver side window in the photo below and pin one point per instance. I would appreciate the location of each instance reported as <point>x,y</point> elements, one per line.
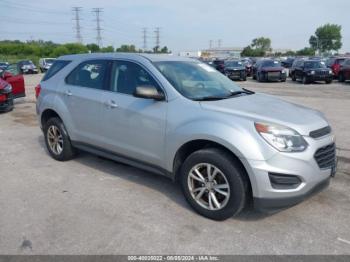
<point>126,76</point>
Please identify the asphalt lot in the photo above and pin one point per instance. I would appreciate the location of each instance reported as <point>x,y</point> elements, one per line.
<point>95,206</point>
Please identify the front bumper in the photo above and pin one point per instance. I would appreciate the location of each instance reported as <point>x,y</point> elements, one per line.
<point>302,165</point>
<point>274,76</point>
<point>236,75</point>
<point>7,105</point>
<point>314,78</point>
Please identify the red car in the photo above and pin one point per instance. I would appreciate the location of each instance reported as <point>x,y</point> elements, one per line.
<point>11,87</point>
<point>344,72</point>
<point>335,63</point>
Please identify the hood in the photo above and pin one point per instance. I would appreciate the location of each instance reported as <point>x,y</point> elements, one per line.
<point>272,69</point>
<point>270,109</point>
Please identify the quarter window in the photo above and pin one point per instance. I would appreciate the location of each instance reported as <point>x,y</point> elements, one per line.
<point>90,74</point>
<point>126,76</point>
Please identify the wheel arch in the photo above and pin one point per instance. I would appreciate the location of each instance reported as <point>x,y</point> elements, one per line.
<point>194,145</point>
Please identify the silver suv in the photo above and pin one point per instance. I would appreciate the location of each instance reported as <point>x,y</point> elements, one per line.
<point>182,119</point>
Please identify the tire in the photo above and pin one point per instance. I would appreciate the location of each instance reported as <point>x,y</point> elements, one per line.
<point>283,80</point>
<point>244,78</point>
<point>329,81</point>
<point>305,80</point>
<point>341,78</point>
<point>259,77</point>
<point>56,133</point>
<point>294,78</point>
<point>230,174</point>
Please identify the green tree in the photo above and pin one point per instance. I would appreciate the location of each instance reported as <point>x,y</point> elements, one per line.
<point>60,50</point>
<point>259,47</point>
<point>107,49</point>
<point>93,48</point>
<point>306,51</point>
<point>127,49</point>
<point>327,38</point>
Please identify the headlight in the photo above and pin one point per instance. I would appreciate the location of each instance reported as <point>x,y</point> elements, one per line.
<point>282,138</point>
<point>8,89</point>
<point>330,72</point>
<point>312,72</point>
<point>284,71</point>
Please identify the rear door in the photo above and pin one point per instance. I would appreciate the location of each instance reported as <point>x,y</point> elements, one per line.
<point>83,97</point>
<point>133,127</point>
<point>14,77</point>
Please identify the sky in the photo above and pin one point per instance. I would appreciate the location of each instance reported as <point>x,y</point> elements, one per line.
<point>184,25</point>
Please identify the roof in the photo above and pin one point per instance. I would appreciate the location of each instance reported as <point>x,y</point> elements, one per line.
<point>151,57</point>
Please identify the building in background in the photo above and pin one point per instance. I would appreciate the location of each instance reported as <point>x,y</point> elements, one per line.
<point>222,52</point>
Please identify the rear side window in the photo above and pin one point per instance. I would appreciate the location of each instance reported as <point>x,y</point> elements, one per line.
<point>90,74</point>
<point>55,68</point>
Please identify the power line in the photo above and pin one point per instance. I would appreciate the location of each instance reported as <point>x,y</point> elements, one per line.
<point>98,28</point>
<point>157,36</point>
<point>144,37</point>
<point>77,11</point>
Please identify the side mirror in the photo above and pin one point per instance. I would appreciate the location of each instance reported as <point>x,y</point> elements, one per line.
<point>148,92</point>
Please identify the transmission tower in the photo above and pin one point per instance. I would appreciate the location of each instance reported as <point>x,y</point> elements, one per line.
<point>157,36</point>
<point>210,44</point>
<point>144,37</point>
<point>98,28</point>
<point>219,43</point>
<point>76,11</point>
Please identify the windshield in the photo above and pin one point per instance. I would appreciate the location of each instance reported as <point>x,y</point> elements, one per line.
<point>50,61</point>
<point>234,64</point>
<point>27,62</point>
<point>197,80</point>
<point>315,64</point>
<point>271,63</point>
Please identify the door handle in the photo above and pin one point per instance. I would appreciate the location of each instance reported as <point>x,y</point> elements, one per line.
<point>111,104</point>
<point>68,93</point>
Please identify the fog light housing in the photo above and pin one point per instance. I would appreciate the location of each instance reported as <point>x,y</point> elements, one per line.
<point>282,181</point>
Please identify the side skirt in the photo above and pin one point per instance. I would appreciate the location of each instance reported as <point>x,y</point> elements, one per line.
<point>123,159</point>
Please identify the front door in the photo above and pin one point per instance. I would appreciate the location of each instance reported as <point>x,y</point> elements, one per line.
<point>133,127</point>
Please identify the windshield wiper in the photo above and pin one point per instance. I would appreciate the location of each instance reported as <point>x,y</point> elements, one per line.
<point>243,91</point>
<point>209,98</point>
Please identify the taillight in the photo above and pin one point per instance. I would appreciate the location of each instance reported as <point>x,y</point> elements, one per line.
<point>37,91</point>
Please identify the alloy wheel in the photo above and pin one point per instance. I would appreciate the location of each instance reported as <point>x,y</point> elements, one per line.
<point>208,186</point>
<point>55,140</point>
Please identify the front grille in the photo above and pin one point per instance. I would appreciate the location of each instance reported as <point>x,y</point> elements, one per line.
<point>326,156</point>
<point>274,74</point>
<point>320,132</point>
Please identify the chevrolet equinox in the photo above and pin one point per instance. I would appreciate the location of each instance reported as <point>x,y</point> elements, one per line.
<point>227,146</point>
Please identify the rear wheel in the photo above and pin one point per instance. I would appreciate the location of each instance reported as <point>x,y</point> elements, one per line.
<point>213,184</point>
<point>57,140</point>
<point>294,78</point>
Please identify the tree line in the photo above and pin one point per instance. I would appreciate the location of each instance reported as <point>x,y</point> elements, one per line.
<point>327,38</point>
<point>34,50</point>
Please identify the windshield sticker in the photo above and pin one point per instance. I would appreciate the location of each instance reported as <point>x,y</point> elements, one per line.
<point>207,68</point>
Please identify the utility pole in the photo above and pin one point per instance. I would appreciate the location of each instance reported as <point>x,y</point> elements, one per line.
<point>144,36</point>
<point>210,44</point>
<point>157,36</point>
<point>98,28</point>
<point>76,10</point>
<point>219,43</point>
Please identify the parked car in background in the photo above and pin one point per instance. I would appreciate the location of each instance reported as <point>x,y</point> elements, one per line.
<point>219,65</point>
<point>226,145</point>
<point>3,65</point>
<point>27,67</point>
<point>344,72</point>
<point>309,71</point>
<point>335,63</point>
<point>270,70</point>
<point>235,70</point>
<point>288,62</point>
<point>248,63</point>
<point>45,64</point>
<point>11,87</point>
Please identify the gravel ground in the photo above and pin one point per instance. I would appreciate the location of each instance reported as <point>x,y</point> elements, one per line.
<point>95,206</point>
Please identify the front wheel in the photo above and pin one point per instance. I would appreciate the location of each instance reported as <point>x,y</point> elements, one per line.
<point>57,140</point>
<point>329,81</point>
<point>305,80</point>
<point>341,78</point>
<point>214,184</point>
